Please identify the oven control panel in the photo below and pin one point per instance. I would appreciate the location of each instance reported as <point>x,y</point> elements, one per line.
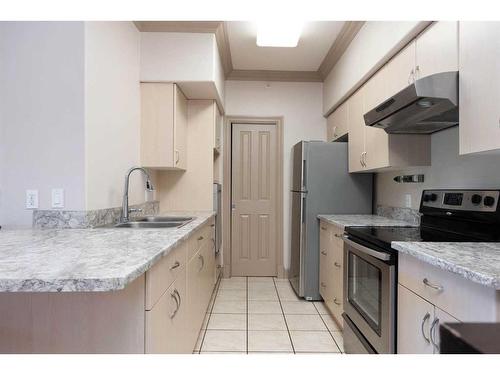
<point>465,200</point>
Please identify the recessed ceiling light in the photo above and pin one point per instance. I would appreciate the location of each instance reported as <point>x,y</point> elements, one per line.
<point>278,33</point>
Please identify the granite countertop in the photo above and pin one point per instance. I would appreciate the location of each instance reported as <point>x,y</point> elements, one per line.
<point>85,260</point>
<point>475,261</point>
<point>364,221</point>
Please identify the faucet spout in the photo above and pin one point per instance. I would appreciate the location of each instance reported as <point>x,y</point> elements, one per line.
<point>149,187</point>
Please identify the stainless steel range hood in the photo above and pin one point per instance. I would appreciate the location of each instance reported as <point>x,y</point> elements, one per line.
<point>428,105</point>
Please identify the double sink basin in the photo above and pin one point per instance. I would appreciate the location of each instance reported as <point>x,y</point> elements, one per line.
<point>153,222</point>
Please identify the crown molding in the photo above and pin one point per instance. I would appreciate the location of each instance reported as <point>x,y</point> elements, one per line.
<point>275,75</point>
<point>345,37</point>
<point>178,26</point>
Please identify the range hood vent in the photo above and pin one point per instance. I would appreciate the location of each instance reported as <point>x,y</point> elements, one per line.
<point>428,105</point>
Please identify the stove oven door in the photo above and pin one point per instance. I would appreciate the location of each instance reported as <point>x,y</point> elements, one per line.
<point>369,294</point>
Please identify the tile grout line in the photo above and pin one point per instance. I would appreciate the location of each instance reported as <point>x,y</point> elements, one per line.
<point>328,329</point>
<point>246,333</point>
<point>284,317</point>
<point>216,291</point>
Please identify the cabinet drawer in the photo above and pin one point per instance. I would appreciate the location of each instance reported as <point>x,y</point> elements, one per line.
<point>161,275</point>
<point>464,299</point>
<point>199,239</point>
<point>166,322</point>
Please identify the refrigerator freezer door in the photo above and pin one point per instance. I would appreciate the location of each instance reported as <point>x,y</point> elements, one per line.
<point>299,166</point>
<point>298,238</point>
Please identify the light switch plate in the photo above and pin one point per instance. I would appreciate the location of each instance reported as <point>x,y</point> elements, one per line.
<point>31,199</point>
<point>408,200</point>
<point>58,198</point>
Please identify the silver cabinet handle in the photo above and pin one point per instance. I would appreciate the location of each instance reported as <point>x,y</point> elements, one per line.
<point>175,265</point>
<point>336,301</point>
<point>433,333</point>
<point>411,77</point>
<point>426,282</point>
<point>334,132</point>
<point>338,265</point>
<point>176,156</point>
<point>361,159</point>
<point>364,158</point>
<point>323,228</point>
<point>200,238</point>
<point>212,225</point>
<point>178,295</point>
<point>426,318</point>
<point>417,72</point>
<point>337,235</point>
<point>323,285</point>
<point>200,257</point>
<point>174,295</point>
<point>323,252</point>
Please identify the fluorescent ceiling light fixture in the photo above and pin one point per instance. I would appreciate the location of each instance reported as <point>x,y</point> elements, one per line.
<point>278,33</point>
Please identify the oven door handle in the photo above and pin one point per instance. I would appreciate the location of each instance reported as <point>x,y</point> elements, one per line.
<point>367,250</point>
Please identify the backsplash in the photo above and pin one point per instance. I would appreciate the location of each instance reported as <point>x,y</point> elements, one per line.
<point>52,219</point>
<point>399,213</point>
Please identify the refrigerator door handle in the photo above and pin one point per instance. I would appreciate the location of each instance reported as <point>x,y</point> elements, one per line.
<point>303,208</point>
<point>304,175</point>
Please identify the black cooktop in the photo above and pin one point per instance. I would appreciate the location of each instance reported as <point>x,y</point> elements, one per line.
<point>383,236</point>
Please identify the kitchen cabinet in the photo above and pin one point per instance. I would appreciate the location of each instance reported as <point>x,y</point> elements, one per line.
<point>436,49</point>
<point>429,296</point>
<point>218,130</point>
<point>163,126</point>
<point>338,123</point>
<point>331,266</point>
<point>479,87</point>
<point>372,149</point>
<point>166,323</point>
<point>200,279</point>
<point>415,316</point>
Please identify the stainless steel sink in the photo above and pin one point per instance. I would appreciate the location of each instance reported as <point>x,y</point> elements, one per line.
<point>162,219</point>
<point>153,222</point>
<point>150,225</point>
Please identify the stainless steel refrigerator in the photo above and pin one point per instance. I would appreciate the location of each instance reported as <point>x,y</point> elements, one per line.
<point>321,185</point>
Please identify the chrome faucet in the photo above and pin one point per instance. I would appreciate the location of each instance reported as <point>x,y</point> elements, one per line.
<point>149,187</point>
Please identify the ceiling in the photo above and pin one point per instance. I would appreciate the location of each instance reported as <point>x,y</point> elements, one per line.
<point>314,44</point>
<point>320,46</point>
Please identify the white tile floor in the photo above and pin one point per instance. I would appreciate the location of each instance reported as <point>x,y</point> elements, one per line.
<point>263,315</point>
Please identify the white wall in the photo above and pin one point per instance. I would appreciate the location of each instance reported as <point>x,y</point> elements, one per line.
<point>301,106</point>
<point>374,44</point>
<point>41,116</point>
<point>112,112</point>
<point>447,171</point>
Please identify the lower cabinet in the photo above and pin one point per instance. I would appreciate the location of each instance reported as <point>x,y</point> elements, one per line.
<point>331,266</point>
<point>174,322</point>
<point>166,323</point>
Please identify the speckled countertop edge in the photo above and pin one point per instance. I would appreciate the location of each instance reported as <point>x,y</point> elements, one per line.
<point>359,220</point>
<point>146,247</point>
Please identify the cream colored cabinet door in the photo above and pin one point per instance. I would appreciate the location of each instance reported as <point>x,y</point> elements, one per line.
<point>400,70</point>
<point>414,319</point>
<point>163,126</point>
<point>440,317</point>
<point>356,146</point>
<point>437,49</point>
<point>196,310</point>
<point>180,129</point>
<point>376,154</point>
<point>479,87</point>
<point>338,123</point>
<point>166,323</point>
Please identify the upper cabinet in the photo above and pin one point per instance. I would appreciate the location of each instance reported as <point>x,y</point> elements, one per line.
<point>163,126</point>
<point>479,87</point>
<point>436,49</point>
<point>400,71</point>
<point>372,149</point>
<point>338,123</point>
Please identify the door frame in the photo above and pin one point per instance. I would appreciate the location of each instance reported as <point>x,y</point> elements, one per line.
<point>227,188</point>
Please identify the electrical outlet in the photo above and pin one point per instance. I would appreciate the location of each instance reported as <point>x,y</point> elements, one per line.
<point>408,200</point>
<point>58,198</point>
<point>31,199</point>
